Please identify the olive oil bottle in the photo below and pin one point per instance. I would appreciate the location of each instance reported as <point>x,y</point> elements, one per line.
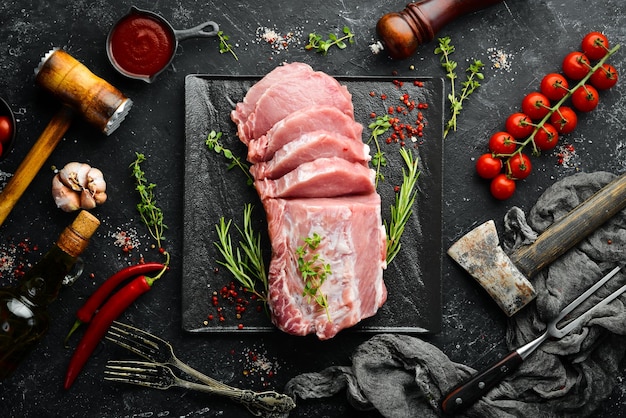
<point>24,315</point>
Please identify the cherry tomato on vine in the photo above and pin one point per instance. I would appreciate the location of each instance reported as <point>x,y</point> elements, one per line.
<point>564,120</point>
<point>519,125</point>
<point>576,65</point>
<point>502,143</point>
<point>585,98</point>
<point>488,166</point>
<point>546,137</point>
<point>554,86</point>
<point>604,77</point>
<point>595,45</point>
<point>502,187</point>
<point>519,166</point>
<point>536,105</point>
<point>5,130</point>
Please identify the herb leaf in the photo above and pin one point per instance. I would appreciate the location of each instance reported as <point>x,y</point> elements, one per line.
<point>150,213</point>
<point>224,45</point>
<point>319,44</point>
<point>213,143</point>
<point>402,209</point>
<point>380,125</point>
<point>314,271</point>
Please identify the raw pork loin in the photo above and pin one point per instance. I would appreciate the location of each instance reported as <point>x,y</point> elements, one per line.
<point>310,168</point>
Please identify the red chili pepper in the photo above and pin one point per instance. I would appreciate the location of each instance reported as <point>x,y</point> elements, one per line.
<point>101,321</point>
<point>89,308</point>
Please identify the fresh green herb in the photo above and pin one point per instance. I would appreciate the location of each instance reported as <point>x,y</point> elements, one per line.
<point>213,142</point>
<point>402,209</point>
<point>245,262</point>
<point>471,83</point>
<point>380,125</point>
<point>224,45</point>
<point>319,44</point>
<point>150,213</point>
<point>313,270</point>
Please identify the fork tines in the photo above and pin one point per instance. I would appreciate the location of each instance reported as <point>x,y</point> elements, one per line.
<point>134,372</point>
<point>134,339</point>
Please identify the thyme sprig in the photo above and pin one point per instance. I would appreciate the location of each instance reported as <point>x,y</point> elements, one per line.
<point>213,143</point>
<point>150,213</point>
<point>402,209</point>
<point>314,271</point>
<point>380,125</point>
<point>224,45</point>
<point>245,262</point>
<point>319,44</point>
<point>471,83</point>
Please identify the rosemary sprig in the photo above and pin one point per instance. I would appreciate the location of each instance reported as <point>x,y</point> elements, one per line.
<point>402,209</point>
<point>213,143</point>
<point>314,271</point>
<point>224,45</point>
<point>150,213</point>
<point>380,125</point>
<point>319,44</point>
<point>471,83</point>
<point>246,261</point>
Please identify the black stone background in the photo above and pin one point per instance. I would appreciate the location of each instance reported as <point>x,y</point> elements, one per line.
<point>532,35</point>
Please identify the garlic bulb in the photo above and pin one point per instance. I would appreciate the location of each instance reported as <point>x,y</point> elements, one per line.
<point>78,186</point>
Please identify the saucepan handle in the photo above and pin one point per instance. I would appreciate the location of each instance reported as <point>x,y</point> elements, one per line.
<point>198,31</point>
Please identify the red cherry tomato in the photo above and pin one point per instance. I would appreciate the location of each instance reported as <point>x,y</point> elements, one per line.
<point>519,125</point>
<point>546,137</point>
<point>502,143</point>
<point>604,77</point>
<point>595,45</point>
<point>554,86</point>
<point>488,166</point>
<point>576,65</point>
<point>564,120</point>
<point>585,98</point>
<point>519,166</point>
<point>502,187</point>
<point>536,105</point>
<point>6,130</point>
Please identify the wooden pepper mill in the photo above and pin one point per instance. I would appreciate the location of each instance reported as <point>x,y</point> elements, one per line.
<point>402,32</point>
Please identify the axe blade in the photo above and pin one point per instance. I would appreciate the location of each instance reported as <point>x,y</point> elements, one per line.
<point>480,254</point>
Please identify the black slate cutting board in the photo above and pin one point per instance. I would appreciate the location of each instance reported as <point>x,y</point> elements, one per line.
<point>212,191</point>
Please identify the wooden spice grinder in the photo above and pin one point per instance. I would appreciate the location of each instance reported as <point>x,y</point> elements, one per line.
<point>81,92</point>
<point>402,32</point>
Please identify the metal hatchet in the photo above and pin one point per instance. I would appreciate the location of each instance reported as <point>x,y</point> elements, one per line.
<point>505,277</point>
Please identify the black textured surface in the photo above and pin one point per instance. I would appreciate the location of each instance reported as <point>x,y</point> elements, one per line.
<point>518,40</point>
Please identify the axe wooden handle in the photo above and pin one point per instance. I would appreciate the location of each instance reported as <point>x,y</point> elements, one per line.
<point>34,160</point>
<point>572,228</point>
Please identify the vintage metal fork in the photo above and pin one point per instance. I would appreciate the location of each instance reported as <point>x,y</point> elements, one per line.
<point>159,376</point>
<point>161,353</point>
<point>469,392</point>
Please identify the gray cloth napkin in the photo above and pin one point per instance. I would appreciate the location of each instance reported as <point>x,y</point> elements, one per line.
<point>403,376</point>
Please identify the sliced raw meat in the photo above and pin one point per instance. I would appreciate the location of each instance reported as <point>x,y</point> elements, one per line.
<point>353,244</point>
<point>298,123</point>
<point>294,93</point>
<point>278,74</point>
<point>310,147</point>
<point>324,177</point>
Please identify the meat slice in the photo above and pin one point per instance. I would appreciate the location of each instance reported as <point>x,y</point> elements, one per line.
<point>294,93</point>
<point>324,177</point>
<point>353,244</point>
<point>310,147</point>
<point>244,108</point>
<point>300,122</point>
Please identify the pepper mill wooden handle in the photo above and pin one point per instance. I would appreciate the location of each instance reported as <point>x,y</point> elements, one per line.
<point>402,32</point>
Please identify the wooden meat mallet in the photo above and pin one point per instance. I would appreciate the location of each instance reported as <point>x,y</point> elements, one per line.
<point>81,92</point>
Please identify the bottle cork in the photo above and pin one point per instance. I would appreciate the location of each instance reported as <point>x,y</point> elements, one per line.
<point>75,238</point>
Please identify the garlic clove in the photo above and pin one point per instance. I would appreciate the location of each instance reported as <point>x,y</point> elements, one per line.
<point>74,175</point>
<point>86,200</point>
<point>95,181</point>
<point>100,197</point>
<point>65,198</point>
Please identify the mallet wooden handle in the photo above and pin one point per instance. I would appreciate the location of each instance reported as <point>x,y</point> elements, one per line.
<point>34,160</point>
<point>572,228</point>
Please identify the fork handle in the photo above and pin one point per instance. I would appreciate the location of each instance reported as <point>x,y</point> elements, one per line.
<point>465,394</point>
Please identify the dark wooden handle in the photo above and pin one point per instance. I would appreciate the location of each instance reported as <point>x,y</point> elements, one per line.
<point>464,395</point>
<point>572,228</point>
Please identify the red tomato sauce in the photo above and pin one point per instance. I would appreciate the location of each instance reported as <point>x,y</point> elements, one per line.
<point>142,45</point>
